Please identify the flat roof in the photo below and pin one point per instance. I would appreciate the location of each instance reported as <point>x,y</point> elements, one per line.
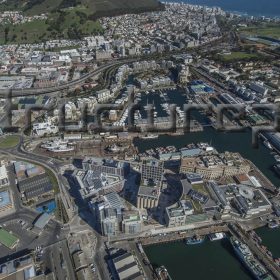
<point>3,172</point>
<point>42,220</point>
<point>149,191</point>
<point>4,198</point>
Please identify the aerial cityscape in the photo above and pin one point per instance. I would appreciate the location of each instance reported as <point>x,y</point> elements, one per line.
<point>139,140</point>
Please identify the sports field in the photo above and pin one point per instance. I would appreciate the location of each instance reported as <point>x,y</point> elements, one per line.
<point>266,30</point>
<point>7,239</point>
<point>236,56</point>
<point>7,142</point>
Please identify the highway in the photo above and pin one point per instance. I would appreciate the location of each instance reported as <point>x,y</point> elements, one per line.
<point>66,86</point>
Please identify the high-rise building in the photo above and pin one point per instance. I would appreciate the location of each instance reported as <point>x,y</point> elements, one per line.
<point>152,170</point>
<point>131,222</point>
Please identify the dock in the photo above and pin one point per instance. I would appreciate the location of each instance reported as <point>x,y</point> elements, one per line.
<point>179,236</point>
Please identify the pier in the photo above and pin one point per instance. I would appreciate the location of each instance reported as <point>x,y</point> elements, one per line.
<point>178,236</point>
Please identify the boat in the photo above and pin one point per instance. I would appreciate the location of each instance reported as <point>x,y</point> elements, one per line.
<point>62,149</point>
<point>216,236</point>
<point>277,158</point>
<point>277,169</point>
<point>194,240</point>
<point>162,273</point>
<point>267,144</point>
<point>273,225</point>
<point>150,136</point>
<point>245,255</point>
<point>55,143</point>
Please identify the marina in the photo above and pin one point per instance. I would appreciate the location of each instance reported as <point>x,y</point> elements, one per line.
<point>210,260</point>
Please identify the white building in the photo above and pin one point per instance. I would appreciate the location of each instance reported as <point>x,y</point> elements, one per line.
<point>43,129</point>
<point>4,180</point>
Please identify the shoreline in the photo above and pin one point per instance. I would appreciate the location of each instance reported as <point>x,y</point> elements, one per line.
<point>234,12</point>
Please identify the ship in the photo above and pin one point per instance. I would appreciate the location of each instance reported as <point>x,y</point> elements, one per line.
<point>216,236</point>
<point>194,240</point>
<point>277,169</point>
<point>277,158</point>
<point>62,149</point>
<point>273,224</point>
<point>150,136</point>
<point>249,261</point>
<point>55,143</point>
<point>267,144</point>
<point>162,273</point>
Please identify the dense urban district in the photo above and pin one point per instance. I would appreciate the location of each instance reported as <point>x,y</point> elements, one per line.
<point>85,181</point>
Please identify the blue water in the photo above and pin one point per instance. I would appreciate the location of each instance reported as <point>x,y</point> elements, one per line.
<point>47,207</point>
<point>270,8</point>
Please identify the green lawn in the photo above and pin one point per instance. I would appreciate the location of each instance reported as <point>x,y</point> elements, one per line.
<point>238,56</point>
<point>53,181</point>
<point>200,188</point>
<point>197,207</point>
<point>7,239</point>
<point>7,142</point>
<point>266,30</point>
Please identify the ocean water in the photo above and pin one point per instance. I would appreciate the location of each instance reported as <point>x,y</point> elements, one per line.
<point>270,8</point>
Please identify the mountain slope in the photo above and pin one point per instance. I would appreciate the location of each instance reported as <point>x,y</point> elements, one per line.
<point>102,7</point>
<point>67,19</point>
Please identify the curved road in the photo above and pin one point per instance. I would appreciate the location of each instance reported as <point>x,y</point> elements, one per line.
<point>36,91</point>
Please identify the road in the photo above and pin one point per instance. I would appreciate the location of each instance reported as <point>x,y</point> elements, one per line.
<point>49,163</point>
<point>66,86</point>
<point>60,261</point>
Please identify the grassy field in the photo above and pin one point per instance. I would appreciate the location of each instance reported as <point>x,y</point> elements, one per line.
<point>77,19</point>
<point>7,239</point>
<point>238,56</point>
<point>9,141</point>
<point>28,32</point>
<point>70,23</point>
<point>266,30</point>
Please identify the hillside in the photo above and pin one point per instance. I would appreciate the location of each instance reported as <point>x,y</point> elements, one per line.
<point>69,19</point>
<point>95,7</point>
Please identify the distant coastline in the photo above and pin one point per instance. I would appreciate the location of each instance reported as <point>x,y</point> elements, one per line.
<point>267,8</point>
